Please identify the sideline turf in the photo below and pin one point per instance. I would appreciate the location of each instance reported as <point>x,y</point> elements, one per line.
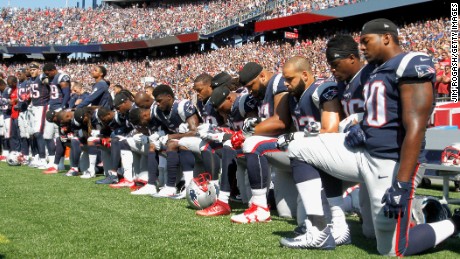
<point>52,216</point>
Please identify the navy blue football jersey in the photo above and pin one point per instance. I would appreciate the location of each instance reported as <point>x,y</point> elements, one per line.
<point>1,102</point>
<point>23,89</point>
<point>352,98</point>
<point>180,112</point>
<point>209,114</point>
<point>244,104</point>
<point>274,87</point>
<point>308,107</point>
<point>119,125</point>
<point>39,93</point>
<point>99,96</point>
<point>56,94</point>
<point>382,121</point>
<point>5,102</point>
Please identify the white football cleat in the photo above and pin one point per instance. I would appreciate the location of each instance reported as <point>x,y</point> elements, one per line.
<point>312,239</point>
<point>148,189</point>
<point>88,174</point>
<point>253,214</point>
<point>341,234</point>
<point>166,192</point>
<point>42,164</point>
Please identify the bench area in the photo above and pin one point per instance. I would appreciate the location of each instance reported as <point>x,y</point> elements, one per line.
<point>437,140</point>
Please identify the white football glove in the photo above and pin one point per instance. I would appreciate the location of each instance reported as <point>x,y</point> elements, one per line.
<point>144,140</point>
<point>312,128</point>
<point>154,139</point>
<point>137,138</point>
<point>183,128</point>
<point>204,127</point>
<point>249,125</point>
<point>164,140</point>
<point>216,137</point>
<point>283,141</point>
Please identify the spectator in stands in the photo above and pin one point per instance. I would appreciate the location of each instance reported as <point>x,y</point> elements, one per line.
<point>272,55</point>
<point>443,85</point>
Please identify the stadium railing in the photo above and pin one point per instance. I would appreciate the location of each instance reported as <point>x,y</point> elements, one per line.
<point>245,17</point>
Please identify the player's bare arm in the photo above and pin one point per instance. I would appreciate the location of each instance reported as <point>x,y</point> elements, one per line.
<point>416,99</point>
<point>330,116</point>
<point>280,121</point>
<point>193,123</point>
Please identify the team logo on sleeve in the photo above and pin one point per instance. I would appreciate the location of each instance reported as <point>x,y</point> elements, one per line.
<point>424,70</point>
<point>330,94</point>
<point>189,108</point>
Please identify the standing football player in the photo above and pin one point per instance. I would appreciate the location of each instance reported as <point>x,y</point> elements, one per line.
<point>59,85</point>
<point>40,95</point>
<point>10,114</point>
<point>100,95</point>
<point>22,106</point>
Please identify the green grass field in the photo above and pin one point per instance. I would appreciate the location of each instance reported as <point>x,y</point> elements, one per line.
<point>52,216</point>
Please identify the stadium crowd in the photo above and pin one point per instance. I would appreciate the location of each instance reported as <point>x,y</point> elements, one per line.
<point>425,36</point>
<point>295,7</point>
<point>111,25</point>
<point>67,26</point>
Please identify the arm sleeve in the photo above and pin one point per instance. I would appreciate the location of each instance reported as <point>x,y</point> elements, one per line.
<point>98,91</point>
<point>72,100</point>
<point>66,97</point>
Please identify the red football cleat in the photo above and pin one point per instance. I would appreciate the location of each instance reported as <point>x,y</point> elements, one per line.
<point>219,208</point>
<point>51,170</point>
<point>137,185</point>
<point>122,184</point>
